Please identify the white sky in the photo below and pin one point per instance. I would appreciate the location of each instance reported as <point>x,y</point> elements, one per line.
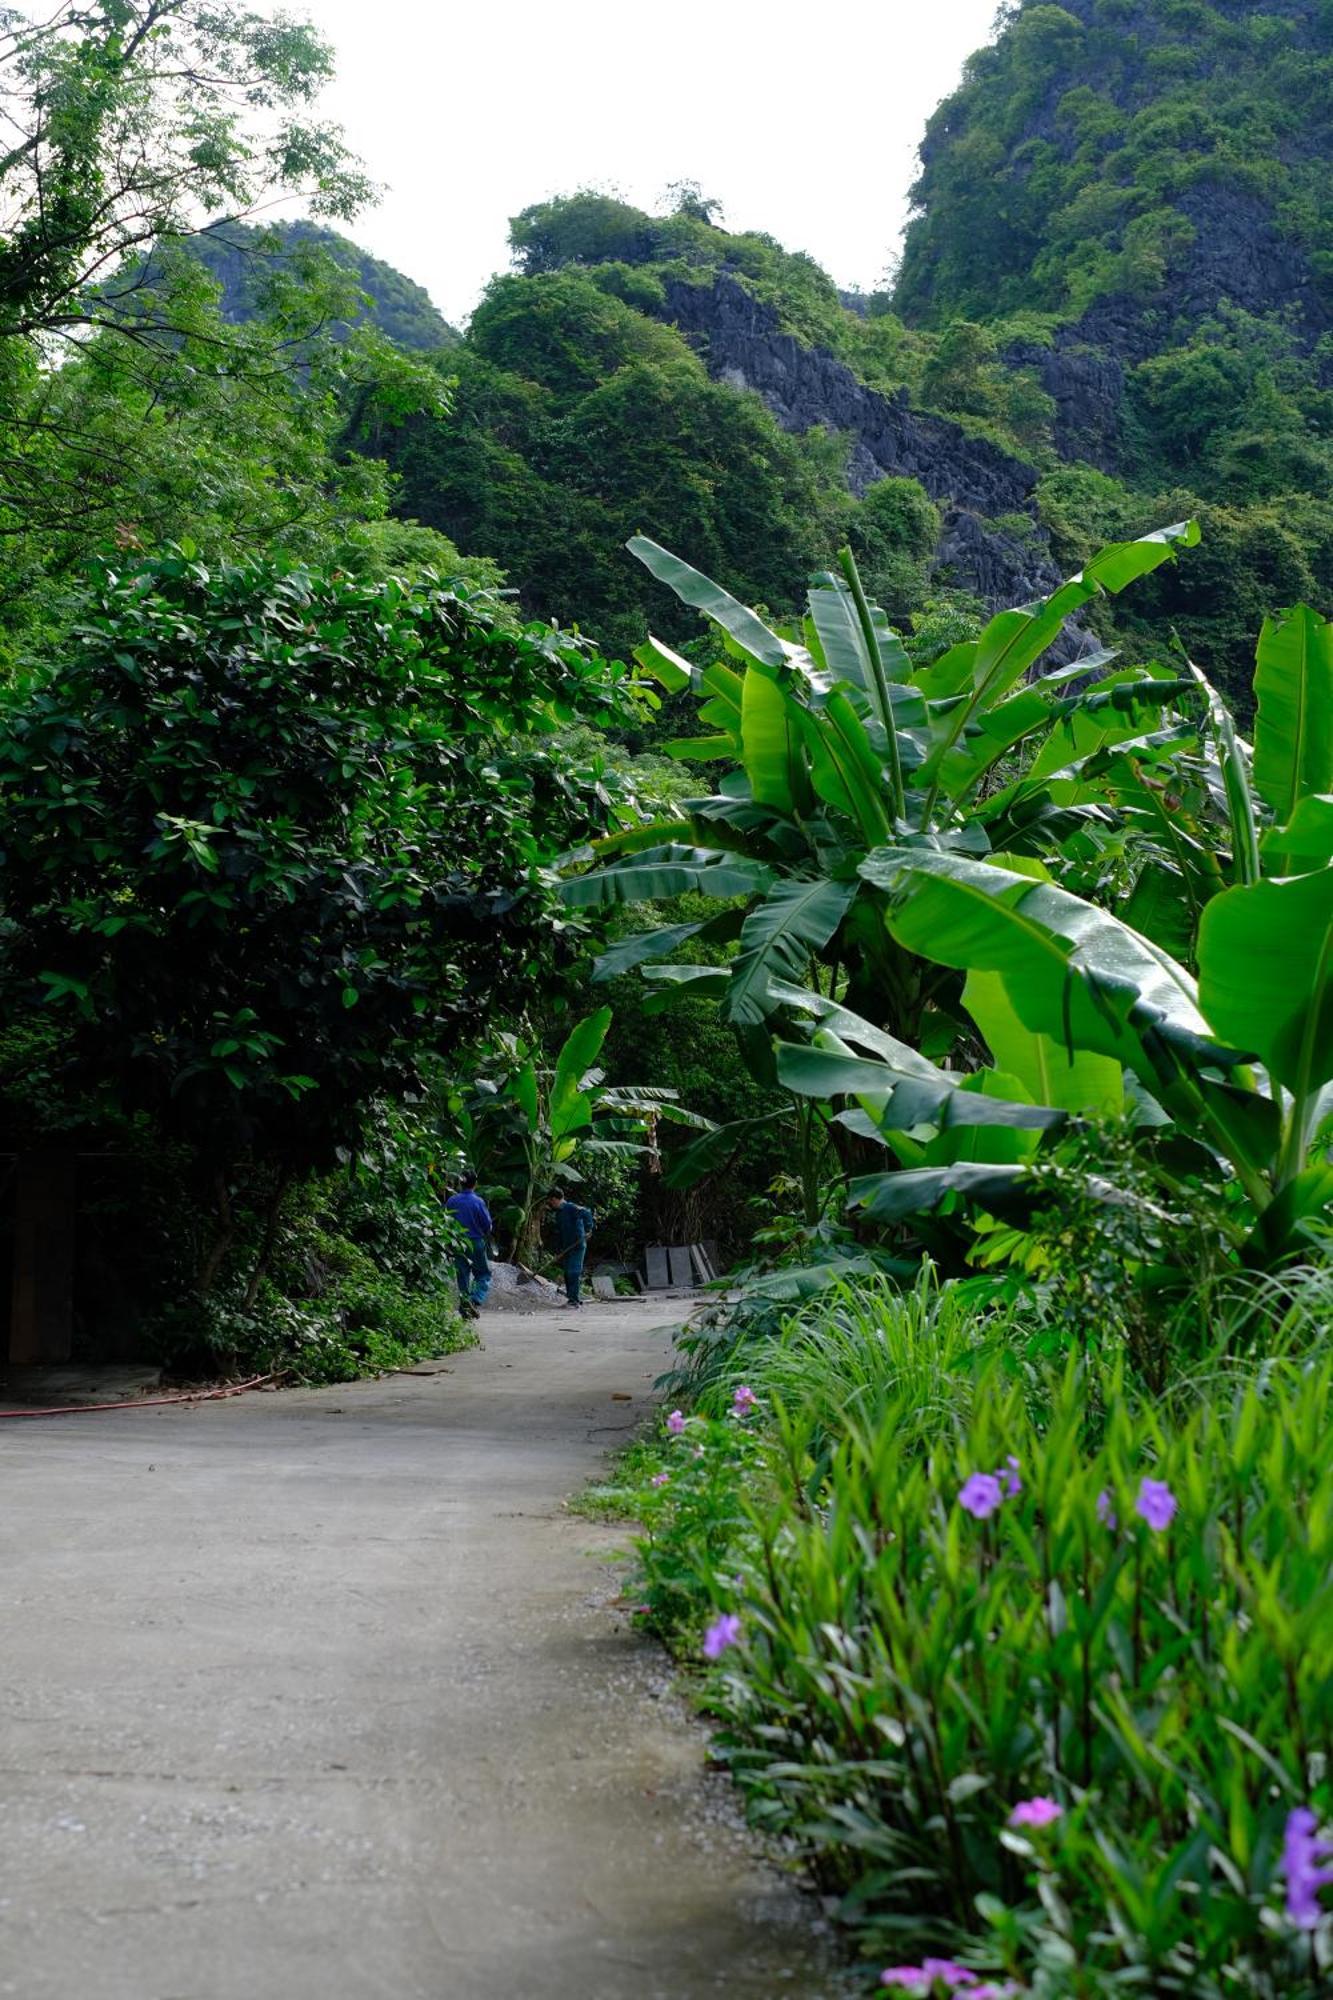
<point>803,120</point>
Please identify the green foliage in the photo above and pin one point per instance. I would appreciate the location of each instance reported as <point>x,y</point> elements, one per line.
<point>1054,174</point>
<point>906,1674</point>
<point>130,135</point>
<point>526,1123</point>
<point>613,428</point>
<point>242,258</point>
<point>271,835</point>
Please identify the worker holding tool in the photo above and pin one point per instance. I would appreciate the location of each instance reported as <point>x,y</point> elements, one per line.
<point>573,1226</point>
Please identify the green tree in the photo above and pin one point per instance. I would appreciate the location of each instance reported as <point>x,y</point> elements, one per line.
<point>273,837</point>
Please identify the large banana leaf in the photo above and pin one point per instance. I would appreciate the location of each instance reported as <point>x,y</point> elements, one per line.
<point>1048,1071</point>
<point>919,1191</point>
<point>1266,975</point>
<point>693,588</point>
<point>1014,640</point>
<point>665,666</point>
<point>571,1105</point>
<point>772,745</point>
<point>1072,971</point>
<point>840,641</point>
<point>1293,731</point>
<point>643,947</point>
<point>668,871</point>
<point>1234,768</point>
<point>780,936</point>
<point>901,1099</point>
<point>845,769</point>
<point>1305,842</point>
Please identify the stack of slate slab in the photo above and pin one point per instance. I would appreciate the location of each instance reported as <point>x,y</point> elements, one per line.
<point>679,1267</point>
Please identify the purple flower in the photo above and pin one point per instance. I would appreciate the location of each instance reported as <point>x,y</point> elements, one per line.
<point>1106,1509</point>
<point>920,1978</point>
<point>744,1401</point>
<point>660,1479</point>
<point>1156,1504</point>
<point>1035,1812</point>
<point>1302,1855</point>
<point>1007,1474</point>
<point>676,1423</point>
<point>981,1494</point>
<point>723,1632</point>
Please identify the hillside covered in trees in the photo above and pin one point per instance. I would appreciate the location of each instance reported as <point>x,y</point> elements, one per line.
<point>1115,309</point>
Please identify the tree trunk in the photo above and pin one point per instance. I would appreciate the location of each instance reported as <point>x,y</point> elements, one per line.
<point>221,1244</point>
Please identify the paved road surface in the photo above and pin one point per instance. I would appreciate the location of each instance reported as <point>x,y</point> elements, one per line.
<point>317,1696</point>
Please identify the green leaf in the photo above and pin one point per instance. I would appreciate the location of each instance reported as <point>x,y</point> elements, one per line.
<point>899,1099</point>
<point>1071,971</point>
<point>1293,731</point>
<point>674,674</point>
<point>1305,842</point>
<point>920,1190</point>
<point>693,588</point>
<point>1293,1220</point>
<point>845,769</point>
<point>570,1107</point>
<point>780,936</point>
<point>675,871</point>
<point>1236,781</point>
<point>1266,975</point>
<point>522,1088</point>
<point>771,746</point>
<point>641,948</point>
<point>1075,1080</point>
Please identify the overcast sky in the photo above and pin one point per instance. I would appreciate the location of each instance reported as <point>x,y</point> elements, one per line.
<point>802,120</point>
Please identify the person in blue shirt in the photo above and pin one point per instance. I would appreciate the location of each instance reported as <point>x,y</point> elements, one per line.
<point>573,1227</point>
<point>473,1264</point>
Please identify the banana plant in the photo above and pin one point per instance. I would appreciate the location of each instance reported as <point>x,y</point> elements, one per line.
<point>526,1122</point>
<point>836,746</point>
<point>1082,1012</point>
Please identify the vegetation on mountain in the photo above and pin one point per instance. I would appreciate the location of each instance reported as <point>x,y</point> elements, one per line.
<point>244,258</point>
<point>1078,157</point>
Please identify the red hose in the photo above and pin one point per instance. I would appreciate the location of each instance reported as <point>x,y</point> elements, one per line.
<point>144,1402</point>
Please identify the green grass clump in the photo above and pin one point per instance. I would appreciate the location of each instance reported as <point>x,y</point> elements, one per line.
<point>943,1575</point>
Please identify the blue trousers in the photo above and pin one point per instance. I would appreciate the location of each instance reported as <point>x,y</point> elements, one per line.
<point>573,1268</point>
<point>474,1273</point>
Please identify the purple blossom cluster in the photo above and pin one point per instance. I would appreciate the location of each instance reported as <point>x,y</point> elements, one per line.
<point>744,1402</point>
<point>1035,1812</point>
<point>1304,1859</point>
<point>724,1631</point>
<point>934,1973</point>
<point>983,1492</point>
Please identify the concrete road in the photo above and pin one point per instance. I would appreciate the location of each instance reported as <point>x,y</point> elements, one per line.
<point>321,1696</point>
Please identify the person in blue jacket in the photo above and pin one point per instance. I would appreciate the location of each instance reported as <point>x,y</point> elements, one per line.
<point>472,1263</point>
<point>573,1227</point>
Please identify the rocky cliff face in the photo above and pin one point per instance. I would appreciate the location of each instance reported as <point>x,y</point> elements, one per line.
<point>742,344</point>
